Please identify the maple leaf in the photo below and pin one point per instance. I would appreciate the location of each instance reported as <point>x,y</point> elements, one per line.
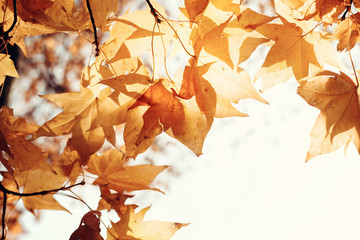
<point>298,50</point>
<point>328,11</point>
<point>195,7</point>
<point>89,227</point>
<point>113,174</point>
<point>37,17</point>
<point>33,181</point>
<point>102,10</point>
<point>160,109</point>
<point>249,19</point>
<point>150,36</point>
<point>7,68</point>
<point>53,15</point>
<point>336,95</point>
<point>115,201</point>
<point>21,153</point>
<point>82,113</point>
<point>347,32</point>
<point>89,115</point>
<point>225,5</point>
<point>132,226</point>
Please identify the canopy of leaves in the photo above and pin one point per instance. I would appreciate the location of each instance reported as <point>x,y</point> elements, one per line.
<point>127,93</point>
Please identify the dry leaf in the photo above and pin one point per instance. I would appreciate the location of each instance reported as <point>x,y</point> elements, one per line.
<point>133,226</point>
<point>336,95</point>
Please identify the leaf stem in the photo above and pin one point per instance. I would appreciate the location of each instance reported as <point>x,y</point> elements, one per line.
<point>96,41</point>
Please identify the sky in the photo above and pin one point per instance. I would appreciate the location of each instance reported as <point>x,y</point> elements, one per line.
<point>251,183</point>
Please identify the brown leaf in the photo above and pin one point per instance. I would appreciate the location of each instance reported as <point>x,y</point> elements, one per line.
<point>89,227</point>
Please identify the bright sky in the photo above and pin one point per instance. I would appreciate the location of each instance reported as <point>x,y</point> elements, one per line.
<point>252,182</point>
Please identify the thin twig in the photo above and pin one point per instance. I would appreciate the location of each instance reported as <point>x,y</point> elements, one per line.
<point>154,12</point>
<point>347,10</point>
<point>96,41</point>
<point>6,34</point>
<point>3,222</point>
<point>3,189</point>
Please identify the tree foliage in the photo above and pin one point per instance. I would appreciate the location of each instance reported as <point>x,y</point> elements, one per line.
<point>128,91</point>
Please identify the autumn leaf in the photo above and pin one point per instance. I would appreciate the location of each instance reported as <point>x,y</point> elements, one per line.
<point>53,15</point>
<point>114,201</point>
<point>22,154</point>
<point>298,50</point>
<point>132,226</point>
<point>33,181</point>
<point>328,11</point>
<point>112,172</point>
<point>195,7</point>
<point>149,36</point>
<point>164,108</point>
<point>347,32</point>
<point>81,111</point>
<point>225,5</point>
<point>102,10</point>
<point>7,68</point>
<point>336,95</point>
<point>89,227</point>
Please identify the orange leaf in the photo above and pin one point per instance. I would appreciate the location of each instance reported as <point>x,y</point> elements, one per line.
<point>195,7</point>
<point>347,32</point>
<point>328,11</point>
<point>336,95</point>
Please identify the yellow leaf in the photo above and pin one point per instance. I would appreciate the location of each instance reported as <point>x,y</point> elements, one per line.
<point>22,154</point>
<point>88,118</point>
<point>33,181</point>
<point>113,174</point>
<point>7,68</point>
<point>298,51</point>
<point>336,95</point>
<point>102,10</point>
<point>132,226</point>
<point>347,32</point>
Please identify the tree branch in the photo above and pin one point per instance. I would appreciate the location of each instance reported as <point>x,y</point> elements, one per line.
<point>6,34</point>
<point>96,41</point>
<point>154,12</point>
<point>7,191</point>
